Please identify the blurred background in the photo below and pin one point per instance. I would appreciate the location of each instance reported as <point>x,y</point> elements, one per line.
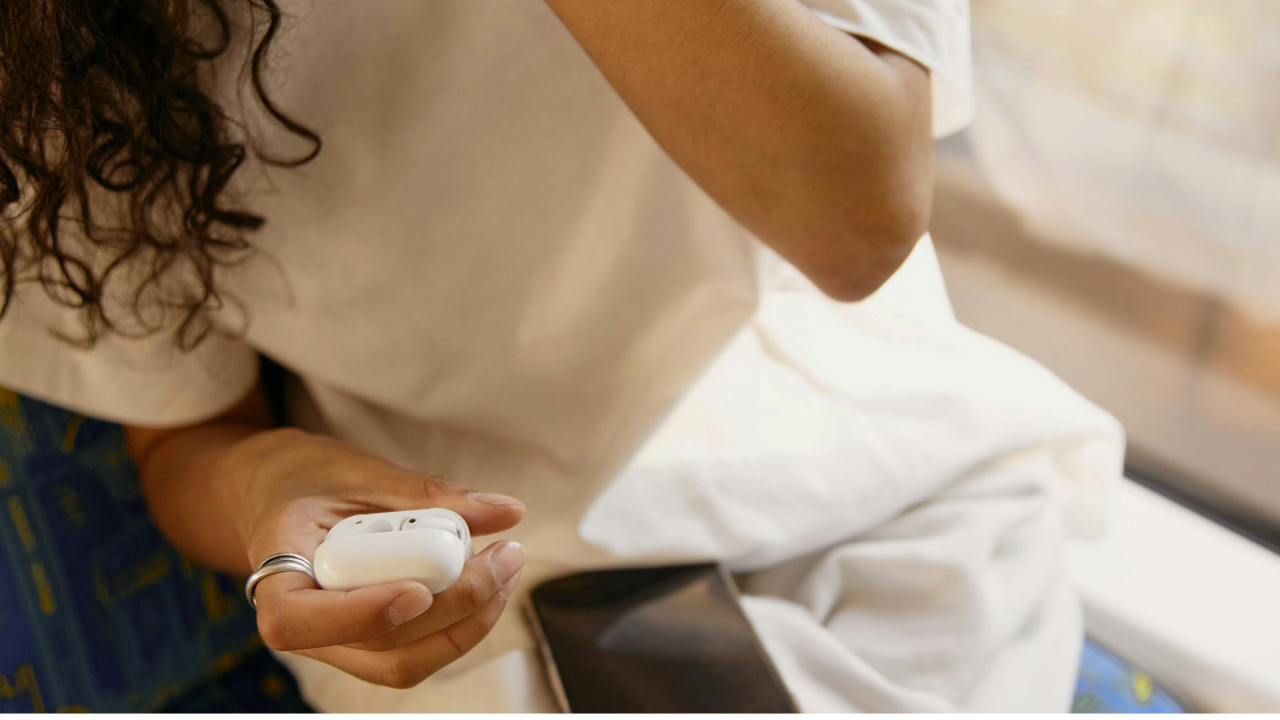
<point>1114,212</point>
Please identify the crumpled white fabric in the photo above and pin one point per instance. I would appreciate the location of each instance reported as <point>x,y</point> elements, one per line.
<point>895,489</point>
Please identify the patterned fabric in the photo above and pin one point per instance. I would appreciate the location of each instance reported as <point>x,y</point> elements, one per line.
<point>258,685</point>
<point>1108,684</point>
<point>97,612</point>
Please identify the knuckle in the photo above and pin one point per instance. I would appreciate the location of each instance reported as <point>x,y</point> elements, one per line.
<point>433,485</point>
<point>400,674</point>
<point>490,618</point>
<point>473,593</point>
<point>490,614</point>
<point>485,621</point>
<point>275,633</point>
<point>350,470</point>
<point>452,646</point>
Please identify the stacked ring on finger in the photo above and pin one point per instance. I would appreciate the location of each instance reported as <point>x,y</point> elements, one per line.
<point>278,563</point>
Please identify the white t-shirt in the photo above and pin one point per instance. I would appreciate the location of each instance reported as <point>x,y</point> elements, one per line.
<point>491,272</point>
<point>488,241</point>
<point>491,265</point>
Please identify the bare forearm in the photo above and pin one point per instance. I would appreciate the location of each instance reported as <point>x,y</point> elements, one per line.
<point>195,481</point>
<point>815,142</point>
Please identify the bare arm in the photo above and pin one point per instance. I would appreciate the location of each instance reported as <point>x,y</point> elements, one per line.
<point>817,142</point>
<point>196,480</point>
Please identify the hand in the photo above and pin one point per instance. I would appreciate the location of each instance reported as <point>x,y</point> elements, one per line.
<point>297,486</point>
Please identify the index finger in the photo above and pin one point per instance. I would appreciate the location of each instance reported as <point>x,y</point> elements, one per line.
<point>295,614</point>
<point>485,513</point>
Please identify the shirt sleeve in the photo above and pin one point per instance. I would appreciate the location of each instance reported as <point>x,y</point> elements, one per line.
<point>934,33</point>
<point>148,382</point>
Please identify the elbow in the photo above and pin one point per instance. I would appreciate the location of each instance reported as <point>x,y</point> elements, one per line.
<point>850,281</point>
<point>861,253</point>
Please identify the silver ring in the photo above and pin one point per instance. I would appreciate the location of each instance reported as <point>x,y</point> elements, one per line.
<point>278,563</point>
<point>281,556</point>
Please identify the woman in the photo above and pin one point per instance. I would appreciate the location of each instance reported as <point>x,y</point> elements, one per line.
<point>530,227</point>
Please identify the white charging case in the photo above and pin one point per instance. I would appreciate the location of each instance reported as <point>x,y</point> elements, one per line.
<point>428,546</point>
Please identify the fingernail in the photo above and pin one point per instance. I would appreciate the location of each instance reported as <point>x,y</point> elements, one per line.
<point>409,605</point>
<point>510,585</point>
<point>507,560</point>
<point>496,500</point>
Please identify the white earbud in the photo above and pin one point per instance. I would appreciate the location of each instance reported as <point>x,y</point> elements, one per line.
<point>429,546</point>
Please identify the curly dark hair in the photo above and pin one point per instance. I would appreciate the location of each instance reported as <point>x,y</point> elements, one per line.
<point>113,157</point>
